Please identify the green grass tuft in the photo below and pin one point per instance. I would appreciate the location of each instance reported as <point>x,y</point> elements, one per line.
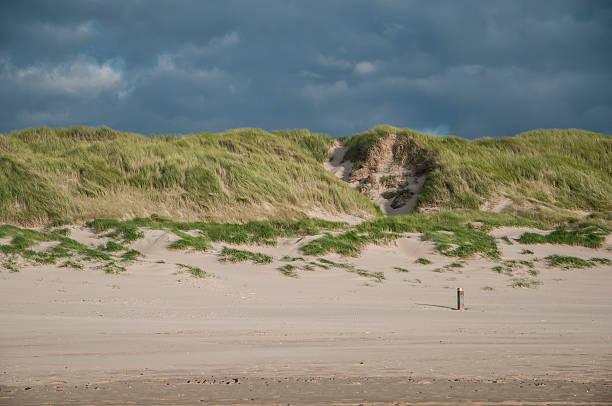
<point>189,242</point>
<point>194,270</point>
<point>585,234</point>
<point>71,264</point>
<point>498,269</point>
<point>10,264</point>
<point>400,269</point>
<point>112,268</point>
<point>287,258</point>
<point>525,283</point>
<point>235,255</point>
<point>288,270</point>
<point>131,255</point>
<point>112,246</point>
<point>423,261</point>
<point>568,262</point>
<point>603,261</point>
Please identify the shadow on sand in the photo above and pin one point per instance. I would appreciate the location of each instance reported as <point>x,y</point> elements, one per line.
<point>434,305</point>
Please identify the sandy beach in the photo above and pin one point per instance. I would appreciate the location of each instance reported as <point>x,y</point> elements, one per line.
<point>155,326</point>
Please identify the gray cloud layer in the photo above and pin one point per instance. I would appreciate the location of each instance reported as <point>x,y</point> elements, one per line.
<point>470,68</point>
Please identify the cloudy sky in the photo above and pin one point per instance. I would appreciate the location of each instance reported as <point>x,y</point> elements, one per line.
<point>469,68</point>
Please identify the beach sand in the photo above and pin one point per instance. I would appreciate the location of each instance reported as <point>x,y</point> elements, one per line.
<point>250,335</point>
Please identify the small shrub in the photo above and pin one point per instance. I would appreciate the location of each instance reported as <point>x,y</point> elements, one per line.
<point>527,252</point>
<point>423,261</point>
<point>400,269</point>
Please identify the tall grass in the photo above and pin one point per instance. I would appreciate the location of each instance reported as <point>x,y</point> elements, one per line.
<point>540,170</point>
<point>81,173</point>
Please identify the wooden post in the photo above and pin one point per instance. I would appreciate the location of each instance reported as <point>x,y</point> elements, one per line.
<point>460,299</point>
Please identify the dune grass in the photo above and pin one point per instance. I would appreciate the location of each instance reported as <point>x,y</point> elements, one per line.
<point>544,172</point>
<point>80,173</point>
<point>377,276</point>
<point>585,234</point>
<point>257,232</point>
<point>194,271</point>
<point>111,267</point>
<point>289,270</point>
<point>131,255</point>
<point>525,283</point>
<point>112,246</point>
<point>569,262</point>
<point>350,243</point>
<point>452,232</point>
<point>71,264</point>
<point>235,255</point>
<point>71,251</point>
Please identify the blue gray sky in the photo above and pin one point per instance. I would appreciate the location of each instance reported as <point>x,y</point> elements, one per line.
<point>468,68</point>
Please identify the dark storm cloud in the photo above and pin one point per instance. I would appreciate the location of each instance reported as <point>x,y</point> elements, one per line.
<point>471,68</point>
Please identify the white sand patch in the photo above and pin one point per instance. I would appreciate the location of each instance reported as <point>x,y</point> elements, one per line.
<point>79,326</point>
<point>496,204</point>
<point>86,236</point>
<point>322,214</point>
<point>335,163</point>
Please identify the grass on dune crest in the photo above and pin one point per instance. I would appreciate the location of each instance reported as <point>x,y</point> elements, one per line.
<point>82,173</point>
<point>542,171</point>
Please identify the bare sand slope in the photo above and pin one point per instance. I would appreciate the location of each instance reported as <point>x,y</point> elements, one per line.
<point>373,184</point>
<point>336,164</point>
<point>66,327</point>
